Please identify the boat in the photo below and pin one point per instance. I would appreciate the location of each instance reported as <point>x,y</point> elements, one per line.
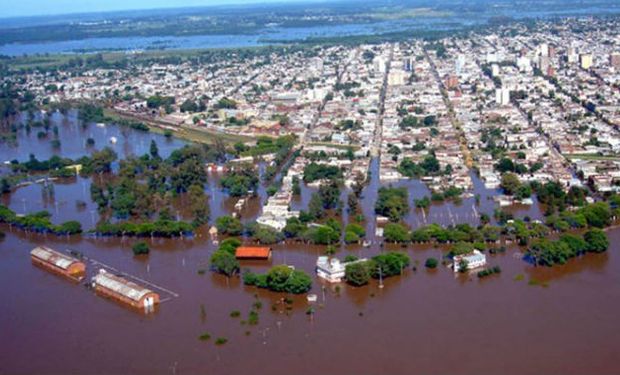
<point>113,140</point>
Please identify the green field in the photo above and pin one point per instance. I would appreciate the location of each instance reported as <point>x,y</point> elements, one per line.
<point>591,157</point>
<point>183,132</point>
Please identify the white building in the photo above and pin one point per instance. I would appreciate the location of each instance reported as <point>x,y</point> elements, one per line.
<point>502,96</point>
<point>332,270</point>
<point>524,64</point>
<point>585,60</point>
<point>474,260</point>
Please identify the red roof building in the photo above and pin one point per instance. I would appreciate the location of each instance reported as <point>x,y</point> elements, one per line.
<point>253,252</point>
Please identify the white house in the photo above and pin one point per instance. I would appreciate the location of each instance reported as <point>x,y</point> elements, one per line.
<point>474,260</point>
<point>332,270</point>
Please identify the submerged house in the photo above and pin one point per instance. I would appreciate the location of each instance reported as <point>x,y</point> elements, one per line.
<point>473,260</point>
<point>332,270</point>
<point>124,291</point>
<point>58,263</point>
<point>253,252</point>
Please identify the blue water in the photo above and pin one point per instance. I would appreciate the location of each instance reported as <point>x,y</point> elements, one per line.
<point>267,36</point>
<point>274,35</point>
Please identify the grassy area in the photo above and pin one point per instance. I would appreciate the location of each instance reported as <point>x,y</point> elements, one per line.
<point>398,13</point>
<point>334,145</point>
<point>54,60</point>
<point>591,157</point>
<point>185,133</point>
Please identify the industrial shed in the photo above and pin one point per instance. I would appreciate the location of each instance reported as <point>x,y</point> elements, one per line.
<point>124,291</point>
<point>58,263</point>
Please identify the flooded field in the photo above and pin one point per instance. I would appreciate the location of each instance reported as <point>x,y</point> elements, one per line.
<point>527,320</point>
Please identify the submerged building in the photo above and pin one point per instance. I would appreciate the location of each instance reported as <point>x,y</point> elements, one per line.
<point>124,291</point>
<point>58,263</point>
<point>332,270</point>
<point>253,252</point>
<point>473,260</point>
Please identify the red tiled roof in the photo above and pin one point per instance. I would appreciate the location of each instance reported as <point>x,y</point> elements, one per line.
<point>253,252</point>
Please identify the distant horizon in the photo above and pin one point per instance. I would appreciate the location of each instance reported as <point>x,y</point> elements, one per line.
<point>45,8</point>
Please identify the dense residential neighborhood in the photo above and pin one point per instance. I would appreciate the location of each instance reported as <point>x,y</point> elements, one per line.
<point>541,103</point>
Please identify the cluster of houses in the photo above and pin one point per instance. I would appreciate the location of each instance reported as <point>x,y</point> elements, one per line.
<point>417,123</point>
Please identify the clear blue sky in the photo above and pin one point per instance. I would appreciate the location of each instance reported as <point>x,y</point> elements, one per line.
<point>17,8</point>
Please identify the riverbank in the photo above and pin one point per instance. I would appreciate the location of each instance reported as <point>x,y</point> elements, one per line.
<point>184,132</point>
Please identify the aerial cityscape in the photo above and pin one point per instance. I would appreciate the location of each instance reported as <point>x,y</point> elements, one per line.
<point>312,188</point>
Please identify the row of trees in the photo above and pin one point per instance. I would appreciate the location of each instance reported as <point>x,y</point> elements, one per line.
<point>157,228</point>
<point>382,265</point>
<point>280,278</point>
<point>314,172</point>
<point>429,166</point>
<point>548,253</point>
<point>39,222</point>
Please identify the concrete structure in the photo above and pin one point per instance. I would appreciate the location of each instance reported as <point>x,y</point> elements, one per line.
<point>124,291</point>
<point>474,260</point>
<point>58,263</point>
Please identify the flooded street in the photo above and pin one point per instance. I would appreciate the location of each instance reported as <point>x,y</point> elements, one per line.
<point>527,320</point>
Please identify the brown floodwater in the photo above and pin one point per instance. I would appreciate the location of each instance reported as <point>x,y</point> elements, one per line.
<point>526,320</point>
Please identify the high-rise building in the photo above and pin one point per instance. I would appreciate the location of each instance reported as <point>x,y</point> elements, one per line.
<point>502,96</point>
<point>543,50</point>
<point>523,63</point>
<point>572,55</point>
<point>495,70</point>
<point>380,64</point>
<point>543,63</point>
<point>407,64</point>
<point>585,60</point>
<point>614,60</point>
<point>460,63</point>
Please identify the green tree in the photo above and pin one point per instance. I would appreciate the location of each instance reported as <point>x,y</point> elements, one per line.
<point>229,225</point>
<point>597,240</point>
<point>394,232</point>
<point>154,150</point>
<point>431,263</point>
<point>392,202</point>
<point>224,262</point>
<point>69,227</point>
<point>358,273</point>
<point>199,204</point>
<point>510,183</point>
<point>140,248</point>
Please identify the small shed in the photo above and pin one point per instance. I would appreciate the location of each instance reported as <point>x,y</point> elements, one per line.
<point>253,252</point>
